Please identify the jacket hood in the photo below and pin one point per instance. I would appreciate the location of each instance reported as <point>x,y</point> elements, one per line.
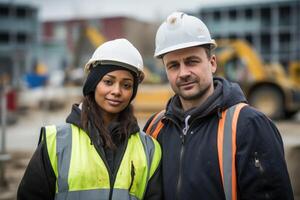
<point>225,95</point>
<point>75,116</point>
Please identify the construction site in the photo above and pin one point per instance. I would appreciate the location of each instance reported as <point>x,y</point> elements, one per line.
<point>42,70</point>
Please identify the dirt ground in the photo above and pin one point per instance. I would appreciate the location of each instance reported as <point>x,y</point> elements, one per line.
<point>22,140</point>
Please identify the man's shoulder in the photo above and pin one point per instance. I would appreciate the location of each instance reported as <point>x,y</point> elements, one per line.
<point>250,113</point>
<point>250,116</point>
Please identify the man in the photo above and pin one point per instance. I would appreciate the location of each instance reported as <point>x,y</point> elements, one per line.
<point>192,162</point>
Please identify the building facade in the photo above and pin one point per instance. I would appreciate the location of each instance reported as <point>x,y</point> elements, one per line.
<point>272,27</point>
<point>18,40</point>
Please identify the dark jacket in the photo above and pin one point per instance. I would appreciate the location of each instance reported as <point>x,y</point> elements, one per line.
<point>38,182</point>
<point>190,163</point>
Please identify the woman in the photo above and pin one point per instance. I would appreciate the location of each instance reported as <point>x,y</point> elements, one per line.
<point>100,152</point>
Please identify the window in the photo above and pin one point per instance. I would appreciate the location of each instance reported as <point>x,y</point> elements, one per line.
<point>249,13</point>
<point>266,43</point>
<point>284,41</point>
<point>265,14</point>
<point>232,14</point>
<point>21,38</point>
<point>4,37</point>
<point>249,38</point>
<point>284,15</point>
<point>4,11</point>
<point>217,15</point>
<point>21,12</point>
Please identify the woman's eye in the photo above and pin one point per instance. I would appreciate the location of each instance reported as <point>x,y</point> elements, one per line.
<point>127,85</point>
<point>107,82</point>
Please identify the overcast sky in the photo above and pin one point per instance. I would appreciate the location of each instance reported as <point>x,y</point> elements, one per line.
<point>149,10</point>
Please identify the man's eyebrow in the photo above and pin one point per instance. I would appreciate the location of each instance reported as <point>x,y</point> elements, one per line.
<point>192,57</point>
<point>171,62</point>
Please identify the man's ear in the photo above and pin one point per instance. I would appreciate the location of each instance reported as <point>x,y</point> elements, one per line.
<point>213,63</point>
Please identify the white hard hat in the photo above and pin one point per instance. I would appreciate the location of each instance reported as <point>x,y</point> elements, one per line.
<point>118,52</point>
<point>181,31</point>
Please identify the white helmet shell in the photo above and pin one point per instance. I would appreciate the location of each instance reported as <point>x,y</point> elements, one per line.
<point>181,31</point>
<point>118,52</point>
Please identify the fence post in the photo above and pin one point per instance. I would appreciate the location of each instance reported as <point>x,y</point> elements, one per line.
<point>3,109</point>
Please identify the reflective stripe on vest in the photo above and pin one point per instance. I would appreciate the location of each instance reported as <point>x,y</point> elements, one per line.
<point>156,124</point>
<point>226,142</point>
<point>227,149</point>
<point>81,173</point>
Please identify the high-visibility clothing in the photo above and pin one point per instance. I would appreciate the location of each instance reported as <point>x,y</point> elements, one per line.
<point>227,149</point>
<point>190,164</point>
<point>82,174</point>
<point>226,143</point>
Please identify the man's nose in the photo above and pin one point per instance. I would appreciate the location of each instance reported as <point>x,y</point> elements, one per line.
<point>184,72</point>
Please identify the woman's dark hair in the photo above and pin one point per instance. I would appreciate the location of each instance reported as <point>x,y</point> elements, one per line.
<point>92,118</point>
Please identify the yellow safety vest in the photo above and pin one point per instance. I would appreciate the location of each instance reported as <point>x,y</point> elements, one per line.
<point>81,173</point>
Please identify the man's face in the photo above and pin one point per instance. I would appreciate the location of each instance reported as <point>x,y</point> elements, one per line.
<point>190,73</point>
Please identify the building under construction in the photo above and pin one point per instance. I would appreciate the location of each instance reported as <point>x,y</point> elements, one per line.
<point>272,27</point>
<point>18,39</point>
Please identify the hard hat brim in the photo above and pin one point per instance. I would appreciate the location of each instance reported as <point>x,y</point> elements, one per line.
<point>183,46</point>
<point>139,73</point>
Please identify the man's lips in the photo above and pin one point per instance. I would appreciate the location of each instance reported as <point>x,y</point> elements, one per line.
<point>186,84</point>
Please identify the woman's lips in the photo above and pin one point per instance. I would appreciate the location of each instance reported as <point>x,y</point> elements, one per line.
<point>114,102</point>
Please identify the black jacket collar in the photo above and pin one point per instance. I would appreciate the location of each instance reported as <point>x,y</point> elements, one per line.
<point>225,94</point>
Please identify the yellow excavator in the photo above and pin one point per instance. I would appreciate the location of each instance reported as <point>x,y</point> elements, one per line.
<point>267,87</point>
<point>294,72</point>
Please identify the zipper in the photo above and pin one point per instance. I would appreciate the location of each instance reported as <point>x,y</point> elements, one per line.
<point>179,180</point>
<point>219,114</point>
<point>182,150</point>
<point>107,168</point>
<point>113,176</point>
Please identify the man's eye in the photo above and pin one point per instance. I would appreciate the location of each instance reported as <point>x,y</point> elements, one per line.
<point>192,62</point>
<point>172,66</point>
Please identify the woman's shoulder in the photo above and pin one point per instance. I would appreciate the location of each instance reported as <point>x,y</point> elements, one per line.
<point>145,137</point>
